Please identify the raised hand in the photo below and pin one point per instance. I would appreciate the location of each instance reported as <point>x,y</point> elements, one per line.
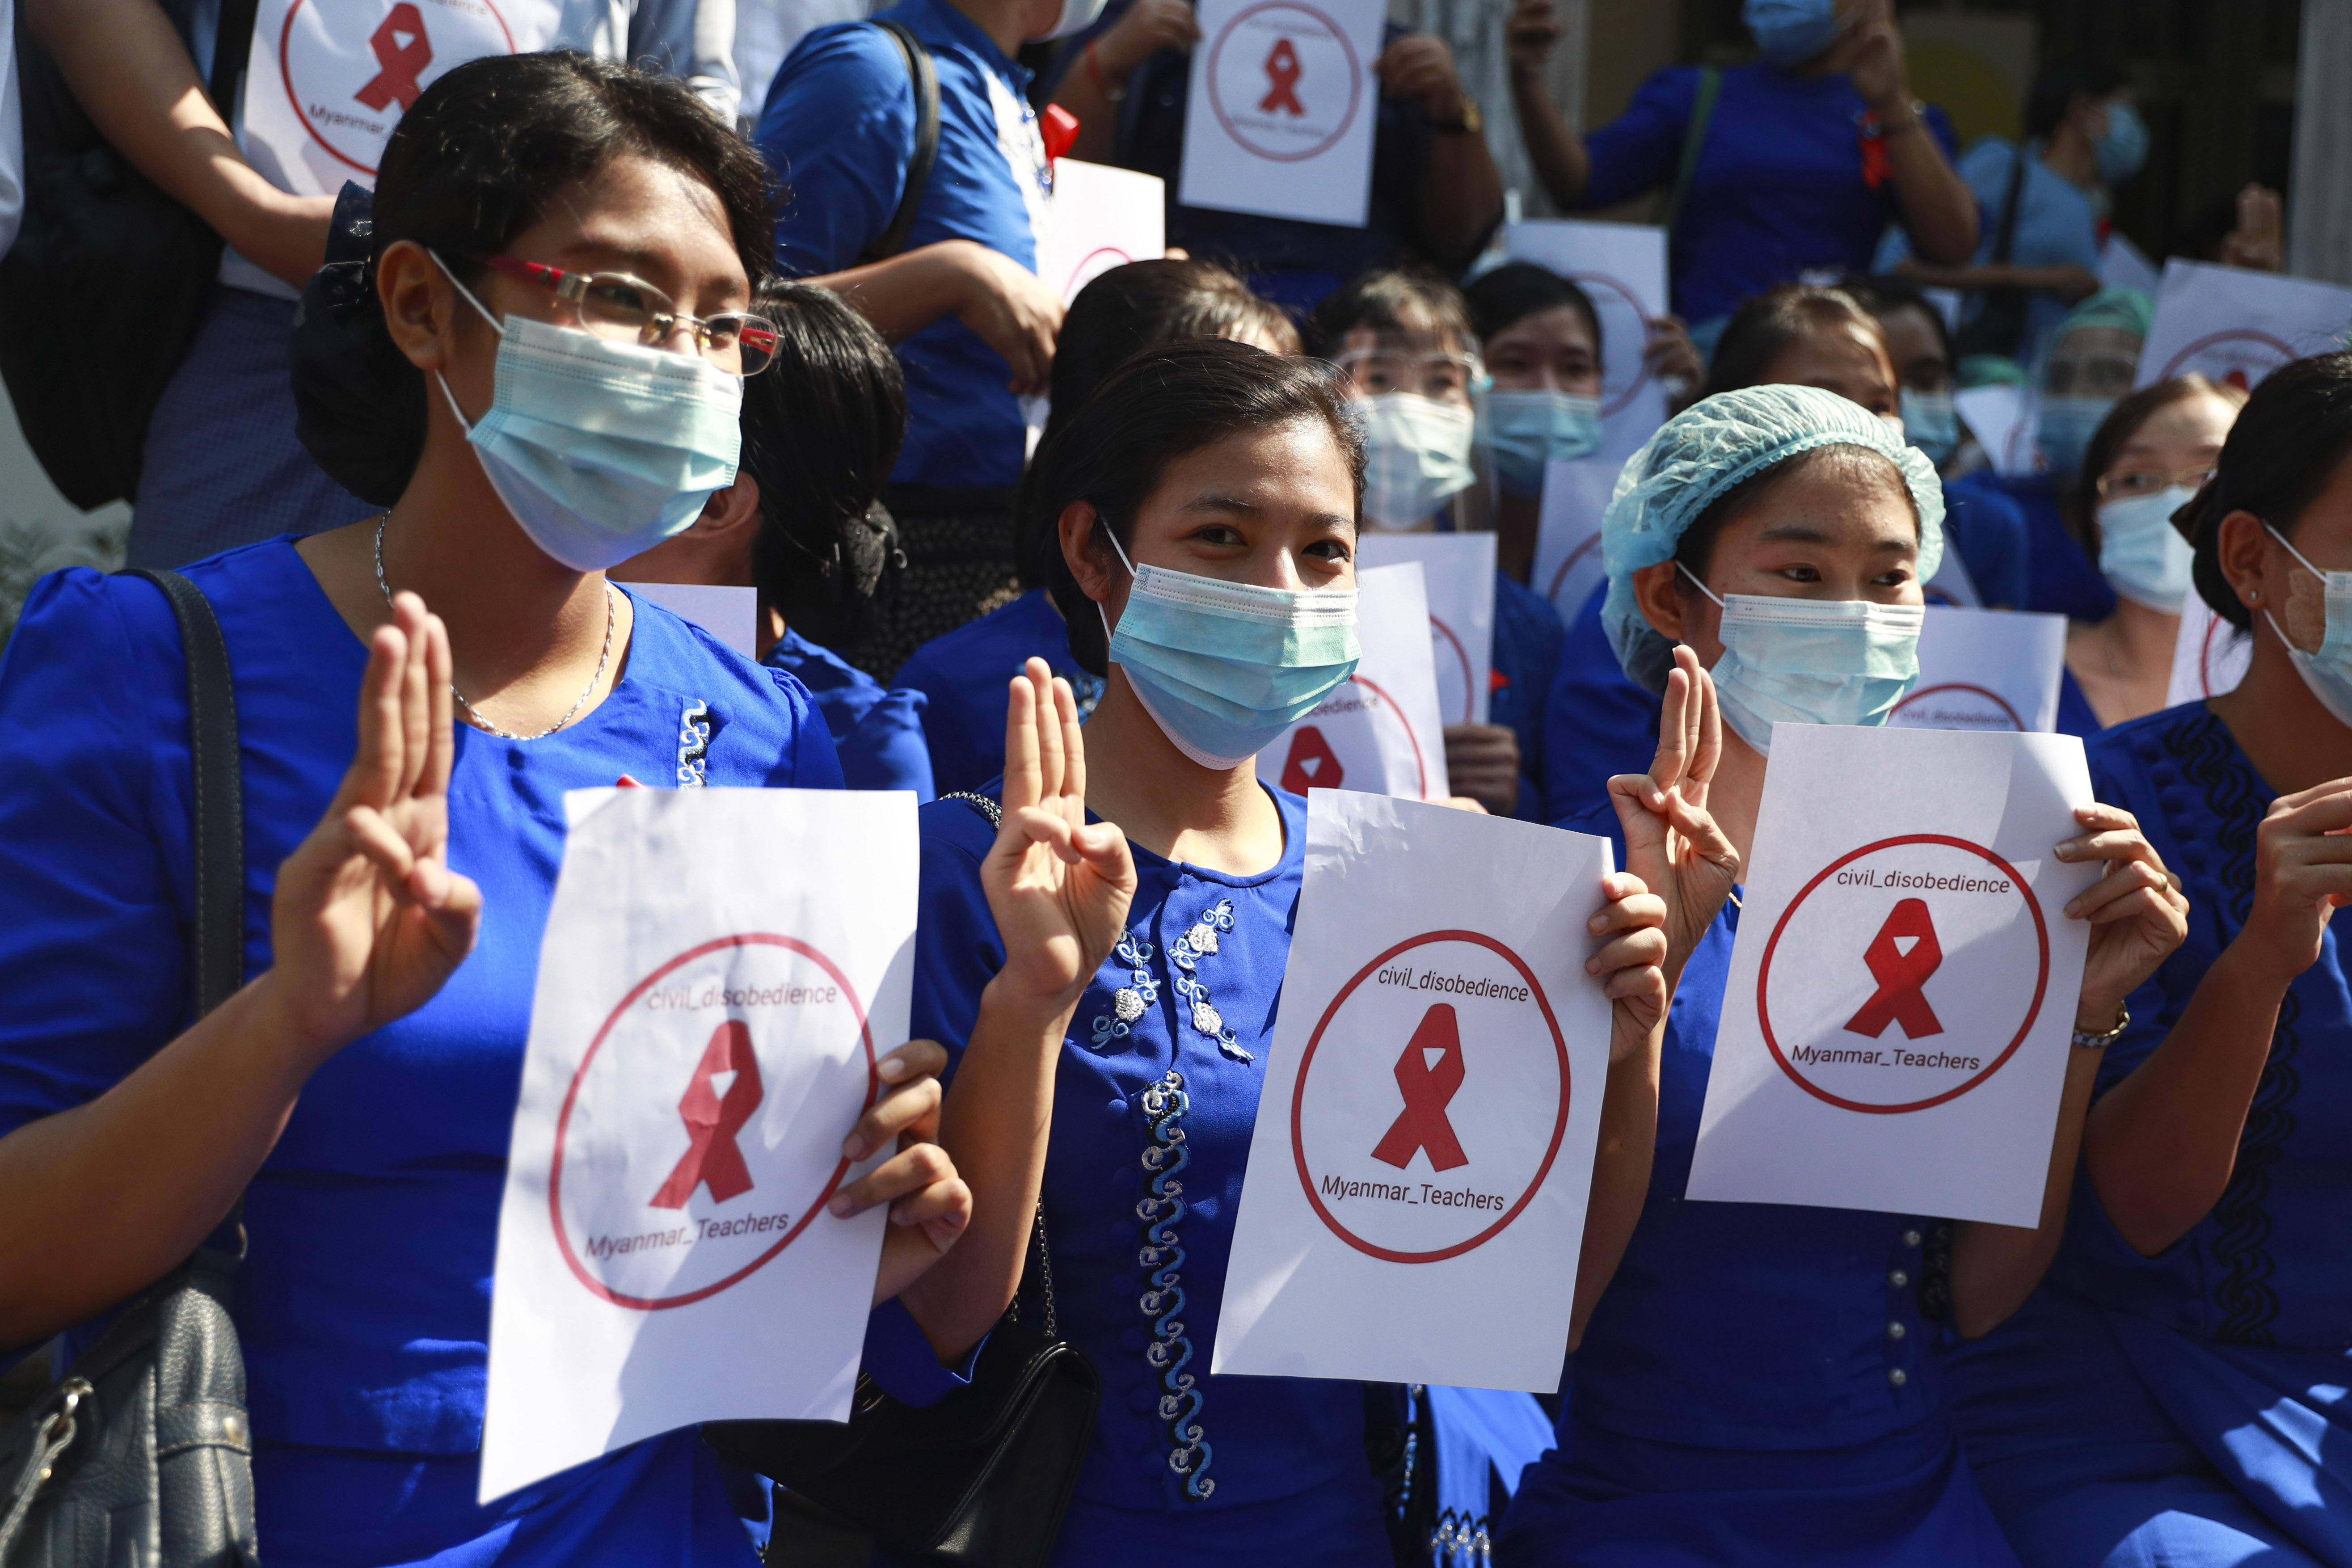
<point>1146,28</point>
<point>1877,69</point>
<point>2303,875</point>
<point>368,920</point>
<point>1058,886</point>
<point>1671,841</point>
<point>1529,33</point>
<point>2138,912</point>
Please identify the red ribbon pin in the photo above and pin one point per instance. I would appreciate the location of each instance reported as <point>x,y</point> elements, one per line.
<point>712,1160</point>
<point>1282,68</point>
<point>1900,998</point>
<point>402,63</point>
<point>1427,1092</point>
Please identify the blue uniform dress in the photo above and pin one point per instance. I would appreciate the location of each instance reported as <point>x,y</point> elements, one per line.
<point>964,679</point>
<point>1988,529</point>
<point>363,1302</point>
<point>1780,187</point>
<point>1597,723</point>
<point>2190,1408</point>
<point>1761,1384</point>
<point>1529,637</point>
<point>1155,1100</point>
<point>878,733</point>
<point>839,127</point>
<point>2062,576</point>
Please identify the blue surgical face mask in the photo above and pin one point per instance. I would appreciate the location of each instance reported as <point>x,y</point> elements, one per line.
<point>2142,553</point>
<point>1416,455</point>
<point>1812,662</point>
<point>1931,421</point>
<point>1790,32</point>
<point>1223,667</point>
<point>2123,148</point>
<point>601,449</point>
<point>2327,674</point>
<point>2064,427</point>
<point>1525,430</point>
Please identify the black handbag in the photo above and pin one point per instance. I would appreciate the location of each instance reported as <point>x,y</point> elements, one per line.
<point>102,292</point>
<point>144,1453</point>
<point>1999,325</point>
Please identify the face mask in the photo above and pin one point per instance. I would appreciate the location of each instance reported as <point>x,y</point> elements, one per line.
<point>1790,32</point>
<point>601,449</point>
<point>1812,662</point>
<point>1076,15</point>
<point>2328,673</point>
<point>2123,148</point>
<point>1223,667</point>
<point>1932,422</point>
<point>2064,428</point>
<point>1417,453</point>
<point>2142,553</point>
<point>1527,429</point>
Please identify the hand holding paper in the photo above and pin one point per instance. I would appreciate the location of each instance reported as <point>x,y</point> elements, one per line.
<point>2137,912</point>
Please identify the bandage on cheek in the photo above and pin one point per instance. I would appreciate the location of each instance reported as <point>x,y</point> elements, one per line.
<point>2307,611</point>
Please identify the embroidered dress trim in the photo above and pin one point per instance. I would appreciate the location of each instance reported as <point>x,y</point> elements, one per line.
<point>1161,1260</point>
<point>1185,954</point>
<point>693,744</point>
<point>1128,1001</point>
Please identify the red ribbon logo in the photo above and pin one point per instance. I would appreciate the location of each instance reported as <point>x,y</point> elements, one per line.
<point>1901,974</point>
<point>1310,764</point>
<point>712,1160</point>
<point>1282,68</point>
<point>1427,1092</point>
<point>402,63</point>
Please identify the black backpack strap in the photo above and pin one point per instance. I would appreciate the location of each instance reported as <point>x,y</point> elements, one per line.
<point>2005,238</point>
<point>1710,88</point>
<point>927,141</point>
<point>219,946</point>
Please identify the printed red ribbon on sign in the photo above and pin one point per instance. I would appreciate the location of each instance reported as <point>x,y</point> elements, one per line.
<point>402,63</point>
<point>1428,1090</point>
<point>1900,998</point>
<point>1283,70</point>
<point>712,1160</point>
<point>1310,764</point>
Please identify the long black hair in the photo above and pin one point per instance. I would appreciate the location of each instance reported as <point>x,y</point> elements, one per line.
<point>474,161</point>
<point>1160,406</point>
<point>1518,289</point>
<point>1769,322</point>
<point>2290,438</point>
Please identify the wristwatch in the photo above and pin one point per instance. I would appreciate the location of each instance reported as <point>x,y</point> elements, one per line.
<point>2084,1041</point>
<point>1472,122</point>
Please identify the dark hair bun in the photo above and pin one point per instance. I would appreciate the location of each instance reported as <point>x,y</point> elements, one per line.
<point>357,404</point>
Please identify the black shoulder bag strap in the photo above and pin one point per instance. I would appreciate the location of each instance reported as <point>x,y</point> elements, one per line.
<point>1710,88</point>
<point>927,141</point>
<point>2000,321</point>
<point>232,45</point>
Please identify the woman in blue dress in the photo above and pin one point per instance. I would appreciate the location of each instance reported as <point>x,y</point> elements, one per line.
<point>1762,1382</point>
<point>360,1089</point>
<point>2174,1393</point>
<point>1116,985</point>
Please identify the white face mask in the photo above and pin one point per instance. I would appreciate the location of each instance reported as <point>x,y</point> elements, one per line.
<point>1417,454</point>
<point>1812,662</point>
<point>2328,672</point>
<point>2142,553</point>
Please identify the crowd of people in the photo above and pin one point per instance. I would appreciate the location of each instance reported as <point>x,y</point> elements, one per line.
<point>607,312</point>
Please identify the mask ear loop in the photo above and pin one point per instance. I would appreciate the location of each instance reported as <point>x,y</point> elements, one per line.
<point>1101,614</point>
<point>1701,586</point>
<point>463,423</point>
<point>2277,630</point>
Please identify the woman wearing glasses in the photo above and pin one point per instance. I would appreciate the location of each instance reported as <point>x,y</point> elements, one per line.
<point>562,248</point>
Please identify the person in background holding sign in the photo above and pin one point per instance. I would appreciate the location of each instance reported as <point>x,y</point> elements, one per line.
<point>222,466</point>
<point>1437,194</point>
<point>1125,311</point>
<point>2150,458</point>
<point>928,223</point>
<point>1406,342</point>
<point>2175,1392</point>
<point>803,524</point>
<point>1794,163</point>
<point>1762,1382</point>
<point>397,871</point>
<point>2043,204</point>
<point>1108,992</point>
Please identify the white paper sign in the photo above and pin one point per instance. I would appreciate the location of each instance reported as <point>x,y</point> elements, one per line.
<point>2002,418</point>
<point>1458,572</point>
<point>1952,584</point>
<point>1985,669</point>
<point>721,970</point>
<point>1101,218</point>
<point>1381,732</point>
<point>1283,102</point>
<point>730,614</point>
<point>2123,265</point>
<point>1622,268</point>
<point>1414,1204</point>
<point>1569,564</point>
<point>328,80</point>
<point>1895,1029</point>
<point>2234,325</point>
<point>2209,656</point>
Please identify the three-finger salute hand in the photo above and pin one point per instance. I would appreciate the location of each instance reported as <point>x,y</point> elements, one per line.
<point>1672,843</point>
<point>2303,875</point>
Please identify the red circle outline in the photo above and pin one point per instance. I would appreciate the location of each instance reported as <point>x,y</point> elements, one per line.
<point>563,1121</point>
<point>286,76</point>
<point>2172,367</point>
<point>1985,692</point>
<point>1642,380</point>
<point>1469,683</point>
<point>2032,1011</point>
<point>1084,261</point>
<point>1306,1060</point>
<point>1420,767</point>
<point>1575,556</point>
<point>1355,82</point>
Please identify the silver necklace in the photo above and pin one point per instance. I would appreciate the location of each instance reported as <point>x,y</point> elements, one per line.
<point>480,720</point>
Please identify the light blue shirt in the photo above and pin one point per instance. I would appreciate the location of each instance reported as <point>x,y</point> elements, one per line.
<point>2055,228</point>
